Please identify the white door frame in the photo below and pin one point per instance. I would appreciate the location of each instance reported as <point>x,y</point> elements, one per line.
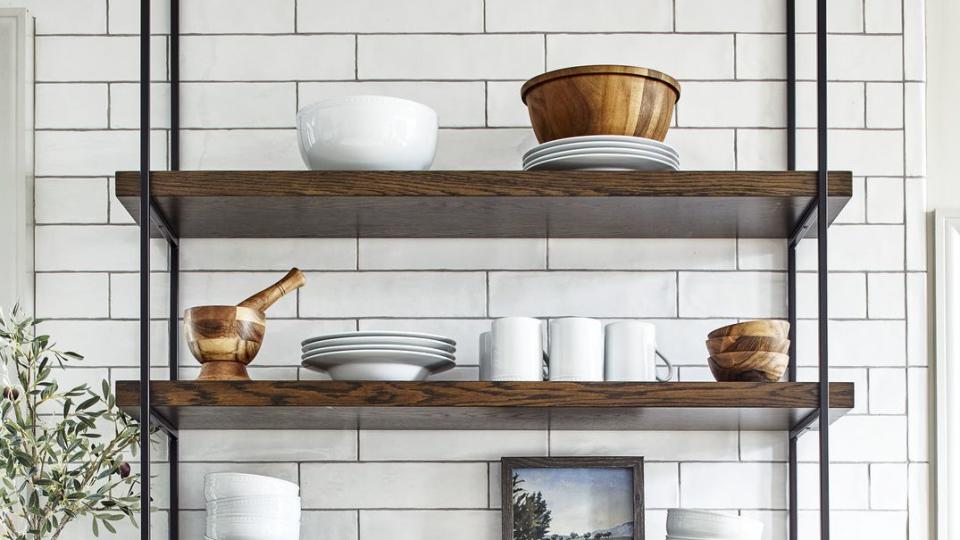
<point>947,372</point>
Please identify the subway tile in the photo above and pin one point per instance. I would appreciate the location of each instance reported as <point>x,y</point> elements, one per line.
<point>266,58</point>
<point>271,254</point>
<point>394,485</point>
<point>918,413</point>
<point>865,152</point>
<point>238,105</point>
<point>124,17</point>
<point>192,478</point>
<point>884,200</point>
<point>72,295</point>
<point>763,446</point>
<point>430,524</point>
<point>244,149</point>
<point>608,294</point>
<point>745,104</point>
<point>452,253</point>
<point>108,343</point>
<point>93,248</point>
<point>491,56</point>
<point>846,249</point>
<point>847,295</point>
<point>70,200</point>
<point>369,16</point>
<point>761,149</point>
<point>886,295</point>
<point>855,212</point>
<point>888,486</point>
<point>125,295</point>
<point>884,105</point>
<point>268,445</point>
<point>71,106</point>
<point>774,522</point>
<point>642,254</point>
<point>855,375</point>
<point>482,149</point>
<point>125,105</point>
<point>661,485</point>
<point>859,524</point>
<point>917,335</point>
<point>732,485</point>
<point>655,523</point>
<point>704,149</point>
<point>238,17</point>
<point>495,495</point>
<point>918,501</point>
<point>842,16</point>
<point>65,16</point>
<point>915,129</point>
<point>914,42</point>
<point>761,56</point>
<point>845,105</point>
<point>330,524</point>
<point>875,343</point>
<point>761,254</point>
<point>861,439</point>
<point>94,153</point>
<point>504,106</point>
<point>466,332</point>
<point>732,294</point>
<point>574,16</point>
<point>915,222</point>
<point>394,294</point>
<point>695,374</point>
<point>230,288</point>
<point>464,373</point>
<point>854,57</point>
<point>849,486</point>
<point>425,445</point>
<point>652,445</point>
<point>96,58</point>
<point>729,15</point>
<point>458,104</point>
<point>681,340</point>
<point>888,391</point>
<point>683,56</point>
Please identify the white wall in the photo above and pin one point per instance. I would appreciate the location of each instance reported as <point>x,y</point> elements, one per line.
<point>248,65</point>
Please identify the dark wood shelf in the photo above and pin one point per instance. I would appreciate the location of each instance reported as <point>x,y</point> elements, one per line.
<point>672,204</point>
<point>483,405</point>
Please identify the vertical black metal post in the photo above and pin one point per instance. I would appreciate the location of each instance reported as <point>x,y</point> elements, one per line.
<point>173,448</point>
<point>145,269</point>
<point>791,72</point>
<point>822,270</point>
<point>791,38</point>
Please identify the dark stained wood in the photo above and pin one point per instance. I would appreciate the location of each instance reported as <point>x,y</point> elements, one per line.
<point>453,204</point>
<point>483,405</point>
<point>509,464</point>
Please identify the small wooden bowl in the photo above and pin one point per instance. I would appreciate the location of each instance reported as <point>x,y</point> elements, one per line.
<point>757,366</point>
<point>224,339</point>
<point>762,328</point>
<point>747,344</point>
<point>601,100</point>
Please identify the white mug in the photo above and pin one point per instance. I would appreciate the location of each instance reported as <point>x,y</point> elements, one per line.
<point>486,343</point>
<point>516,350</point>
<point>576,349</point>
<point>630,352</point>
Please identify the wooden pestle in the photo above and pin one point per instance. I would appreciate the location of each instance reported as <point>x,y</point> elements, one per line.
<point>267,297</point>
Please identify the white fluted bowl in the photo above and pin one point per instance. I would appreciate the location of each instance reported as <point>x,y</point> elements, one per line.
<point>251,528</point>
<point>229,485</point>
<point>366,133</point>
<point>691,524</point>
<point>284,508</point>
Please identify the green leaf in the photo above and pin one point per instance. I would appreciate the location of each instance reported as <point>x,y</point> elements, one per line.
<point>96,530</point>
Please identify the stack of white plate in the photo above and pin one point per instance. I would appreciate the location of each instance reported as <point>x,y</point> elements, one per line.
<point>250,507</point>
<point>602,153</point>
<point>685,524</point>
<point>379,355</point>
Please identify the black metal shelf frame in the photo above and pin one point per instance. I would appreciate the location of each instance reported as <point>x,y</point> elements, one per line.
<point>815,214</point>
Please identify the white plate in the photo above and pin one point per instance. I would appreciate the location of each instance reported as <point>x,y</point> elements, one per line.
<point>604,139</point>
<point>381,340</point>
<point>378,365</point>
<point>602,150</point>
<point>603,162</point>
<point>378,333</point>
<point>376,346</point>
<point>597,145</point>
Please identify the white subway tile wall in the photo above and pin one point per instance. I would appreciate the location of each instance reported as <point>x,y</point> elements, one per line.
<point>249,65</point>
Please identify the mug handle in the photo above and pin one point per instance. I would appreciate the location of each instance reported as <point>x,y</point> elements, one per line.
<point>670,369</point>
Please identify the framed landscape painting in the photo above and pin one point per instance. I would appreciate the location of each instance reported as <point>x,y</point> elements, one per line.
<point>572,498</point>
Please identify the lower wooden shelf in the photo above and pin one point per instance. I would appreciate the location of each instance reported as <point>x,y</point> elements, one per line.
<point>707,406</point>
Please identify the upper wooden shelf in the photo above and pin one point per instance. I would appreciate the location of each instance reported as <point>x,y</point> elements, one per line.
<point>705,406</point>
<point>454,204</point>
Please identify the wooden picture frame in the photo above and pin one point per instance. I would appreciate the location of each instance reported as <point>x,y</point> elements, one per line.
<point>510,464</point>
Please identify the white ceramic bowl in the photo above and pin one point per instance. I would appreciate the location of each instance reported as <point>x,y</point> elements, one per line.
<point>692,524</point>
<point>284,508</point>
<point>251,528</point>
<point>230,485</point>
<point>367,133</point>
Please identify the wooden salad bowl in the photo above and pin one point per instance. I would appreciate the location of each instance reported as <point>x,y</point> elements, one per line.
<point>747,344</point>
<point>761,328</point>
<point>755,366</point>
<point>601,100</point>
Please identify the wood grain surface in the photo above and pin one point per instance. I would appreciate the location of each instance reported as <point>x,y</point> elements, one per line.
<point>453,204</point>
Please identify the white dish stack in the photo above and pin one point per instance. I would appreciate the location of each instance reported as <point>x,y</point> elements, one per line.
<point>602,153</point>
<point>683,524</point>
<point>379,355</point>
<point>250,507</point>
